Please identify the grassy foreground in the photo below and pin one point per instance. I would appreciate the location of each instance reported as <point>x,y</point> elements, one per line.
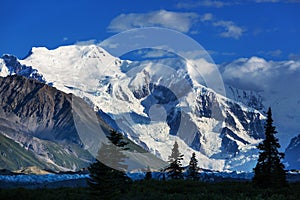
<point>164,190</point>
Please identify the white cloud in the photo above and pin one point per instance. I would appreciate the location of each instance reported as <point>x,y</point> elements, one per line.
<point>231,29</point>
<point>185,22</point>
<point>180,21</point>
<point>258,74</point>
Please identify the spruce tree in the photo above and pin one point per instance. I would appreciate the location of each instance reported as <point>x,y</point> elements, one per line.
<point>109,177</point>
<point>269,170</point>
<point>175,168</point>
<point>192,171</point>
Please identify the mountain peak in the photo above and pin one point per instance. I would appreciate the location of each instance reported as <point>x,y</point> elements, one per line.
<point>155,103</point>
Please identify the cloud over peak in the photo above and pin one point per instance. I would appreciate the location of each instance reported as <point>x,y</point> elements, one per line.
<point>231,30</point>
<point>184,22</point>
<point>180,21</point>
<point>259,74</point>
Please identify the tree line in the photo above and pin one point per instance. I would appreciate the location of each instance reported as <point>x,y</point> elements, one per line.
<point>268,172</point>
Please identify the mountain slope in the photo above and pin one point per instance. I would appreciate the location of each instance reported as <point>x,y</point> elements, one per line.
<point>40,107</point>
<point>39,118</point>
<point>13,156</point>
<point>154,105</point>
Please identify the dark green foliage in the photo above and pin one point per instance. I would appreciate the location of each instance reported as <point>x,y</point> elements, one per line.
<point>175,168</point>
<point>117,139</point>
<point>108,172</point>
<point>192,171</point>
<point>269,170</point>
<point>109,181</point>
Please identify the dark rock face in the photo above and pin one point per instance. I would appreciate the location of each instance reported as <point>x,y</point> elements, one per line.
<point>45,111</point>
<point>292,153</point>
<point>41,119</point>
<point>249,120</point>
<point>53,128</point>
<point>208,105</point>
<point>249,98</point>
<point>227,132</point>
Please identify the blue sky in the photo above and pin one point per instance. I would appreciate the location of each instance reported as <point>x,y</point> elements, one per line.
<point>228,29</point>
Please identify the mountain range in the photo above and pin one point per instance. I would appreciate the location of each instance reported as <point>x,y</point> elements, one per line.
<point>152,105</point>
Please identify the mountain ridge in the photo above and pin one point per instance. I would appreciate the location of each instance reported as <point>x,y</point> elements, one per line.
<point>44,123</point>
<point>220,145</point>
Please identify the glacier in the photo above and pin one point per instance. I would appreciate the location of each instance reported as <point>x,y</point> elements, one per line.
<point>152,102</point>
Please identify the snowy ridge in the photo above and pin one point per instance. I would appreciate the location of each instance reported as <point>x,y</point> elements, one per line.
<point>249,98</point>
<point>267,83</point>
<point>10,66</point>
<point>222,132</point>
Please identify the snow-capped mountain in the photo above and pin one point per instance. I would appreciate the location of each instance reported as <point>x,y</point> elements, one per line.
<point>37,128</point>
<point>249,98</point>
<point>259,83</point>
<point>265,83</point>
<point>154,103</point>
<point>10,66</point>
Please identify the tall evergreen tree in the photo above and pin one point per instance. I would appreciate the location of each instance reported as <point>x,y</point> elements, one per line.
<point>107,174</point>
<point>269,170</point>
<point>192,171</point>
<point>175,168</point>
